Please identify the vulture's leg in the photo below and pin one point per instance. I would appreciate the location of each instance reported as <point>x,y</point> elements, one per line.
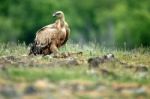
<point>54,49</point>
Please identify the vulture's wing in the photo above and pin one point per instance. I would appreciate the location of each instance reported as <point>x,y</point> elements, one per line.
<point>47,26</point>
<point>67,35</point>
<point>45,35</point>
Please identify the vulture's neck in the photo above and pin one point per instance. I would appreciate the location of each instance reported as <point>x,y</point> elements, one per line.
<point>62,21</point>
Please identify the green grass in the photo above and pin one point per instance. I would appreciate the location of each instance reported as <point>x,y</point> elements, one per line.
<point>53,74</point>
<point>37,67</point>
<point>57,74</point>
<point>135,57</point>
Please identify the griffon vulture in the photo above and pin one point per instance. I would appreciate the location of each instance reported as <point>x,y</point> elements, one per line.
<point>49,38</point>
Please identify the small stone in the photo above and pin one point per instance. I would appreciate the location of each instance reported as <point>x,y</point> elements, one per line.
<point>94,62</point>
<point>41,84</point>
<point>8,91</point>
<point>73,62</point>
<point>110,56</point>
<point>30,90</point>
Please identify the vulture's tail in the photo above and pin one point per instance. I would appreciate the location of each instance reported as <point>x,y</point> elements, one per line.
<point>35,49</point>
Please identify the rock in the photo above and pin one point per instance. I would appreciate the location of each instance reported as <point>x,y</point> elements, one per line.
<point>73,62</point>
<point>96,61</point>
<point>30,90</point>
<point>134,91</point>
<point>141,69</point>
<point>41,85</point>
<point>8,91</point>
<point>110,56</point>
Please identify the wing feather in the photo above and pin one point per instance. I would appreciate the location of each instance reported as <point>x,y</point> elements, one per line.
<point>45,35</point>
<point>67,35</point>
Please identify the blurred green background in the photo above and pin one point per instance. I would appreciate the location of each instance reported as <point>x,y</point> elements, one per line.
<point>116,23</point>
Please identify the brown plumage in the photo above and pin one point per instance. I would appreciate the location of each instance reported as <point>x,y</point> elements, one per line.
<point>49,38</point>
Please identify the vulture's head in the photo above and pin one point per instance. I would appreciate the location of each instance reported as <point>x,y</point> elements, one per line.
<point>58,14</point>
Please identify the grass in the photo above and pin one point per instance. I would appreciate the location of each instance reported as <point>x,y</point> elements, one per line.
<point>57,74</point>
<point>53,74</point>
<point>24,69</point>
